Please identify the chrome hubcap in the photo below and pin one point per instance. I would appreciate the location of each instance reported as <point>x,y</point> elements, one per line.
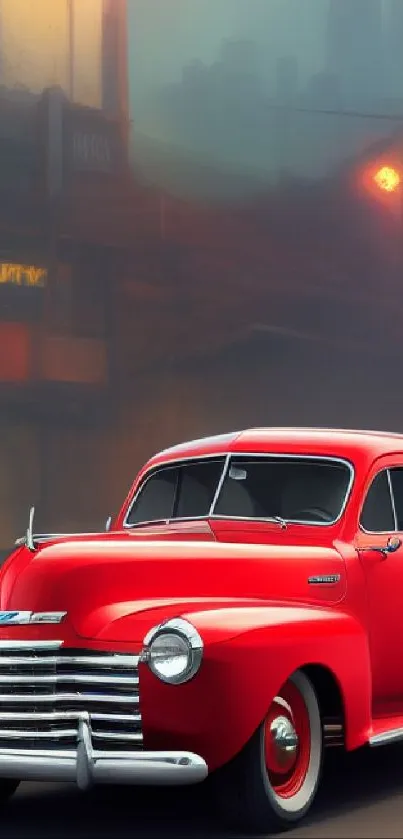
<point>284,738</point>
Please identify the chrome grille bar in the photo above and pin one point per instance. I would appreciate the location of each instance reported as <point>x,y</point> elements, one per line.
<point>77,678</point>
<point>27,661</point>
<point>112,660</point>
<point>23,646</point>
<point>46,689</point>
<point>107,662</point>
<point>115,735</point>
<point>107,754</point>
<point>37,698</point>
<point>27,734</point>
<point>63,716</point>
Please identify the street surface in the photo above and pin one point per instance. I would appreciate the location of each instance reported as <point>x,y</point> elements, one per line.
<point>362,796</point>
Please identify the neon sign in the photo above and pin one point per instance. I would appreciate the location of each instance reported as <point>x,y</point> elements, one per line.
<point>22,275</point>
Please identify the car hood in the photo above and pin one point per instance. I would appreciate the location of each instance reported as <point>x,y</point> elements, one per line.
<point>116,589</point>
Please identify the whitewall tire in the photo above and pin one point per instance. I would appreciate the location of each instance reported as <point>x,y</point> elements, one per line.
<point>272,783</point>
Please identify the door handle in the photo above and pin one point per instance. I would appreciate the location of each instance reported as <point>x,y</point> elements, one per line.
<point>392,545</point>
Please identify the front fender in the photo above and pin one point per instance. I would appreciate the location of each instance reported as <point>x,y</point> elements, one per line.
<point>249,654</point>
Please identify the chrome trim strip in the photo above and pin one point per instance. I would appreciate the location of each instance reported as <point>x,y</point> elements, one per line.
<point>111,662</point>
<point>115,718</point>
<point>63,678</point>
<point>106,660</point>
<point>229,456</point>
<point>16,618</point>
<point>31,734</point>
<point>38,699</point>
<point>63,733</point>
<point>132,737</point>
<point>64,716</point>
<point>375,532</point>
<point>86,766</point>
<point>387,737</point>
<point>32,646</point>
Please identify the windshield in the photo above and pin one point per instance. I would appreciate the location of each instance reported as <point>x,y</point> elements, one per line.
<point>300,489</point>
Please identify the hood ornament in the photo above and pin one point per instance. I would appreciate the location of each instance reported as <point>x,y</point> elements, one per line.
<point>29,538</point>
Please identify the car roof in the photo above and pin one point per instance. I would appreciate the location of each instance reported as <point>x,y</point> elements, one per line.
<point>336,442</point>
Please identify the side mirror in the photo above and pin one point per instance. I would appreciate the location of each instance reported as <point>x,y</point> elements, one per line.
<point>108,524</point>
<point>392,545</point>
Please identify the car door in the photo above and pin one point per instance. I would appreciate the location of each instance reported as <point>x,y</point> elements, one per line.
<point>381,517</point>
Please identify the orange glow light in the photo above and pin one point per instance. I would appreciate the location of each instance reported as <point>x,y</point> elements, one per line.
<point>387,179</point>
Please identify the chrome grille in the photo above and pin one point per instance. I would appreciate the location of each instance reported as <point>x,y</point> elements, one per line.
<point>44,689</point>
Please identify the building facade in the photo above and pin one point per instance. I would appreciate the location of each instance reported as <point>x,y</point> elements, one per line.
<point>77,45</point>
<point>394,50</point>
<point>65,220</point>
<point>355,53</point>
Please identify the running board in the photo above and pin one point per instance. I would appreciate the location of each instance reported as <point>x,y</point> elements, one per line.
<point>386,738</point>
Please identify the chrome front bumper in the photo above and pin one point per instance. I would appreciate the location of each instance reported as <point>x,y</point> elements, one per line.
<point>85,766</point>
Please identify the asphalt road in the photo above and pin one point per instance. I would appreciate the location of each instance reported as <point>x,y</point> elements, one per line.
<point>362,796</point>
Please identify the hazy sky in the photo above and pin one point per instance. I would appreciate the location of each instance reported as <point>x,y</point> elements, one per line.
<point>166,34</point>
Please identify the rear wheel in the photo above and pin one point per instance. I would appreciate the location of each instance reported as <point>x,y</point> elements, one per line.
<point>7,788</point>
<point>272,783</point>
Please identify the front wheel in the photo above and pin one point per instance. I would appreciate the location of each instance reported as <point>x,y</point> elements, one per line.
<point>272,783</point>
<point>7,788</point>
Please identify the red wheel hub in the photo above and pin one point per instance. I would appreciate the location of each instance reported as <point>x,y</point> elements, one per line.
<point>287,741</point>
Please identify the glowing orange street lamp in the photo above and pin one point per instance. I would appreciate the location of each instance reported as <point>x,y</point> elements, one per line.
<point>387,178</point>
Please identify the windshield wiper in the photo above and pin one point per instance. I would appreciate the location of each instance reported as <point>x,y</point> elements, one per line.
<point>279,520</point>
<point>148,523</point>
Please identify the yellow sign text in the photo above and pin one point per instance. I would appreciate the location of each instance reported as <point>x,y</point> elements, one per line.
<point>22,275</point>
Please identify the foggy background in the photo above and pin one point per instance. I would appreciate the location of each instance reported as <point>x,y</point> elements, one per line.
<point>194,184</point>
<point>207,76</point>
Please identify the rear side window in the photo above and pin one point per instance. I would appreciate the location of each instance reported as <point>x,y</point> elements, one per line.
<point>180,491</point>
<point>377,514</point>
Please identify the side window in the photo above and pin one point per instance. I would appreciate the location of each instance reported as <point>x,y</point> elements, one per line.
<point>156,499</point>
<point>377,514</point>
<point>396,478</point>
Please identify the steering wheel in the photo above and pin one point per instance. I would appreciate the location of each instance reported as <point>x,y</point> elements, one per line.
<point>315,512</point>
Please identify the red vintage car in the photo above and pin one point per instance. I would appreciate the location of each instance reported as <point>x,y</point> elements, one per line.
<point>241,614</point>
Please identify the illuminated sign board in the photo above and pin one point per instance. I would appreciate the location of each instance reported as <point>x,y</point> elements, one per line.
<point>29,276</point>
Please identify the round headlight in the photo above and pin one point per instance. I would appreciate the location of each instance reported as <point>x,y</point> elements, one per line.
<point>173,651</point>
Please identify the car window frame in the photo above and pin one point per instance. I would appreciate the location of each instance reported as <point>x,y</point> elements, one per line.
<point>228,458</point>
<point>388,470</point>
